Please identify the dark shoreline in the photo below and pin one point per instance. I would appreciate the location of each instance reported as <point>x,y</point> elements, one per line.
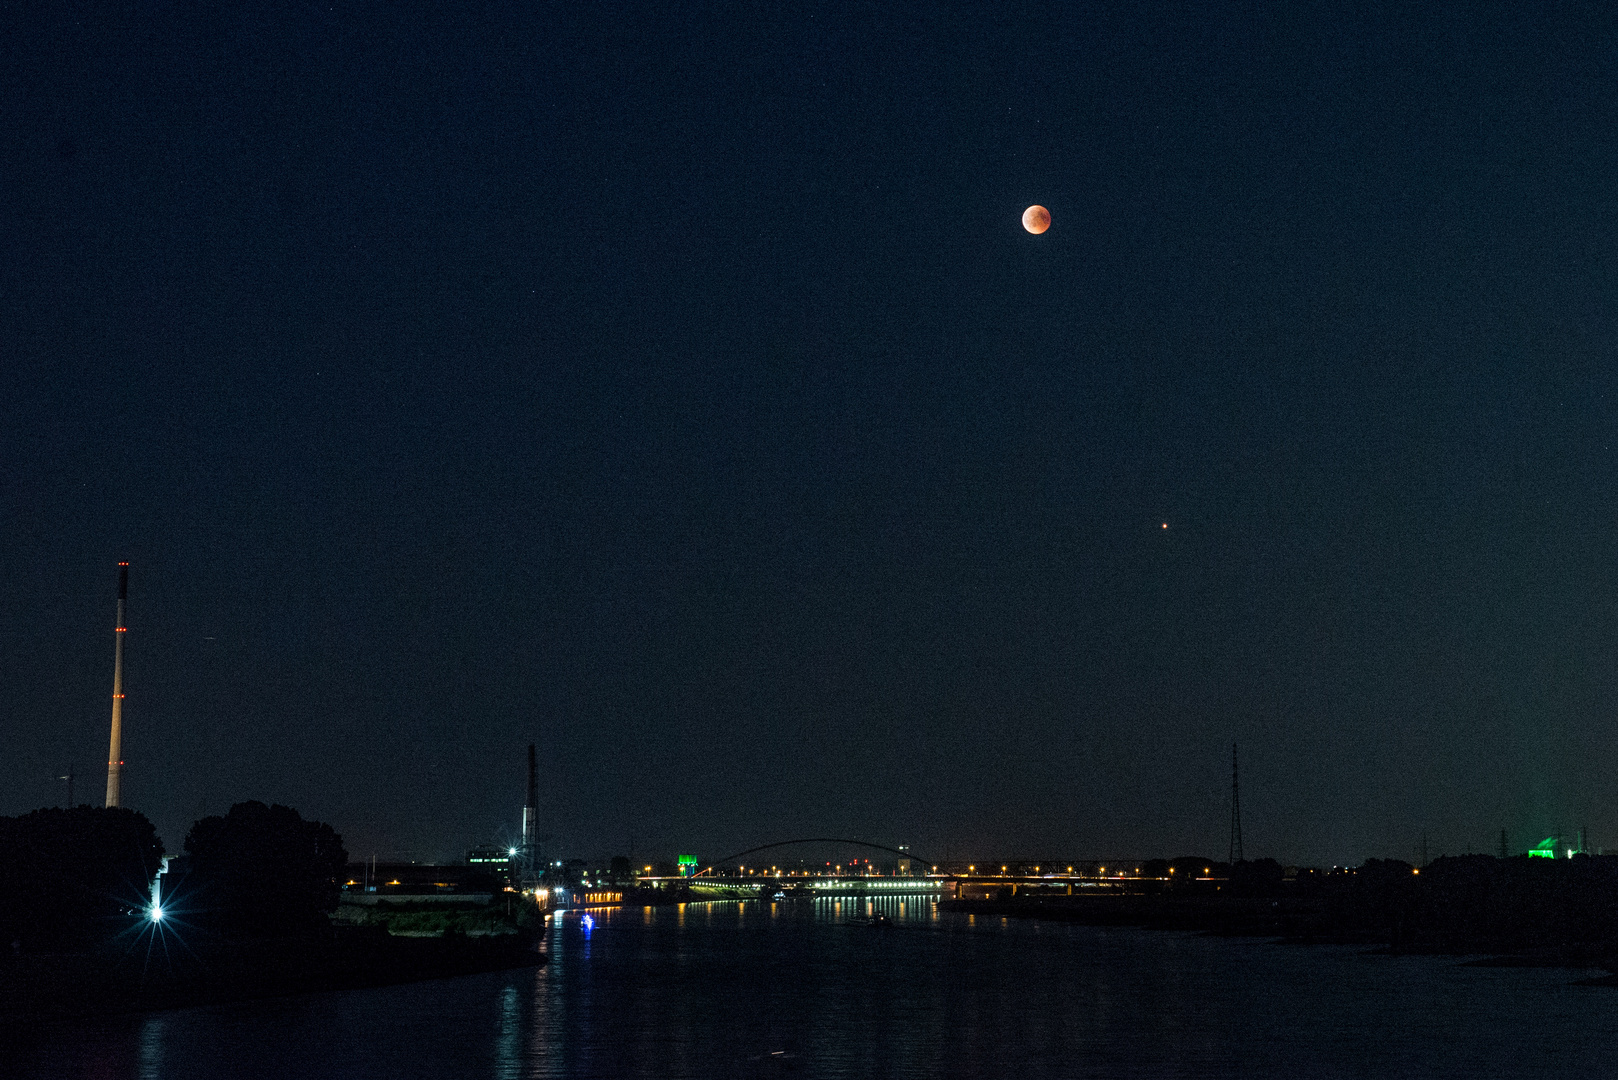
<point>1286,921</point>
<point>109,982</point>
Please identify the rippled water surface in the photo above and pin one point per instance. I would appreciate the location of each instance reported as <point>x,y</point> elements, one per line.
<point>759,990</point>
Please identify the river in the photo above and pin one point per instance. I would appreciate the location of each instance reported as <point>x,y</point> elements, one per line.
<point>802,989</point>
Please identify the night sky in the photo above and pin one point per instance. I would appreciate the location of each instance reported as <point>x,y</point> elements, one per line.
<point>676,388</point>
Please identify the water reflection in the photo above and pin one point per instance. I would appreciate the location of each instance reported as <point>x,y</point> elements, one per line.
<point>810,988</point>
<point>508,1040</point>
<point>151,1047</point>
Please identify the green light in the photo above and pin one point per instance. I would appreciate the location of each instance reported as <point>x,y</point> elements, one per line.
<point>1546,849</point>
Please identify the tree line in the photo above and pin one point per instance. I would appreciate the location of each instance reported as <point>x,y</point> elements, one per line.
<point>80,877</point>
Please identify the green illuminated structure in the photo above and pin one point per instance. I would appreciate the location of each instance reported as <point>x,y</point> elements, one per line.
<point>688,865</point>
<point>1559,847</point>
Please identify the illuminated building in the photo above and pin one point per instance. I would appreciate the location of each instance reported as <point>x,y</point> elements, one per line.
<point>496,861</point>
<point>1558,847</point>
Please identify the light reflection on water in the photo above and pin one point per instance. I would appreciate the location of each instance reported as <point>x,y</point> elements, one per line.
<point>151,1047</point>
<point>508,1057</point>
<point>808,988</point>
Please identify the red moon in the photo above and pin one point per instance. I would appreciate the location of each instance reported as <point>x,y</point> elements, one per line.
<point>1036,219</point>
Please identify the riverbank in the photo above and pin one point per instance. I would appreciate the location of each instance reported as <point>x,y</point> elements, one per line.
<point>138,979</point>
<point>1311,921</point>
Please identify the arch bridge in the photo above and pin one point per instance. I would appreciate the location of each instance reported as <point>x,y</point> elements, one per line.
<point>711,882</point>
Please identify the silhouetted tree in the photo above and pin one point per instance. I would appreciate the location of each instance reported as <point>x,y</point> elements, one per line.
<point>1476,903</point>
<point>1256,877</point>
<point>263,870</point>
<point>1188,868</point>
<point>72,877</point>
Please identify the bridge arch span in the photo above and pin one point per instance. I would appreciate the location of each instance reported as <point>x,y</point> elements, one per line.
<point>816,840</point>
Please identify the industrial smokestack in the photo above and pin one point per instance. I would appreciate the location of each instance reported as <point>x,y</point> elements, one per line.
<point>530,809</point>
<point>1236,855</point>
<point>115,753</point>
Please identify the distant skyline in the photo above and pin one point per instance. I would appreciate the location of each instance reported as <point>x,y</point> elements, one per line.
<point>681,392</point>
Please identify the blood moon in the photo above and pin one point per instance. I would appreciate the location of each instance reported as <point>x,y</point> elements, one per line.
<point>1036,219</point>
